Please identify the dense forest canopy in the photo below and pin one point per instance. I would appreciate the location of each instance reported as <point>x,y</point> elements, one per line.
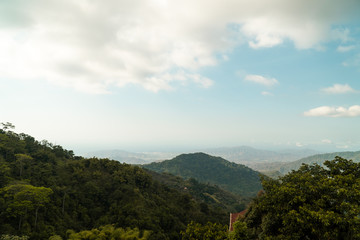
<point>313,202</point>
<point>46,191</point>
<point>207,193</point>
<point>233,177</point>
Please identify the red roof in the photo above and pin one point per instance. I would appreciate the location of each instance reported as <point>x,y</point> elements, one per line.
<point>234,217</point>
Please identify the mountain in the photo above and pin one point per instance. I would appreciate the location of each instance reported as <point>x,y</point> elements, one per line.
<point>247,155</point>
<point>251,157</point>
<point>45,190</point>
<point>319,159</point>
<point>230,176</point>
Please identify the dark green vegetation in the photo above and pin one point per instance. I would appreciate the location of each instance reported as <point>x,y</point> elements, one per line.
<point>313,202</point>
<point>213,231</point>
<point>208,194</point>
<point>216,231</point>
<point>110,232</point>
<point>233,177</point>
<point>47,191</point>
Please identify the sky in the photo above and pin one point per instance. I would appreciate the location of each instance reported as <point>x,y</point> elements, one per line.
<point>158,75</point>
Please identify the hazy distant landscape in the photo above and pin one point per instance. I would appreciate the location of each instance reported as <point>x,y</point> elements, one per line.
<point>179,120</point>
<point>265,161</point>
<point>243,154</point>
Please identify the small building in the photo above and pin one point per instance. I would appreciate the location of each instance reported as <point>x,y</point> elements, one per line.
<point>234,217</point>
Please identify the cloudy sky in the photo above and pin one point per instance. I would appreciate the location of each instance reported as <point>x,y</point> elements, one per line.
<point>154,75</point>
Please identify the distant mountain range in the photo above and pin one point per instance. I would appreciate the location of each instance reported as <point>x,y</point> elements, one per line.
<point>319,159</point>
<point>272,163</point>
<point>131,157</point>
<point>245,154</point>
<point>230,176</point>
<point>242,154</point>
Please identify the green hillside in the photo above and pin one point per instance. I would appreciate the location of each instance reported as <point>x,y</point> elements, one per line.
<point>233,177</point>
<point>45,190</point>
<point>319,159</point>
<point>206,193</point>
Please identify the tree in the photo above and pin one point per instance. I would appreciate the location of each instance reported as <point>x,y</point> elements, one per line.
<point>24,197</point>
<point>109,232</point>
<point>12,237</point>
<point>195,231</point>
<point>241,232</point>
<point>313,202</point>
<point>7,125</point>
<point>55,237</point>
<point>22,159</point>
<point>88,193</point>
<point>5,171</point>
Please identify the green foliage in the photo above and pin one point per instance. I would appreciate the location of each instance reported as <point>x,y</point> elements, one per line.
<point>208,194</point>
<point>196,231</point>
<point>7,125</point>
<point>215,231</point>
<point>240,232</point>
<point>109,232</point>
<point>26,195</point>
<point>4,172</point>
<point>22,198</point>
<point>233,177</point>
<point>12,237</point>
<point>55,237</point>
<point>46,190</point>
<point>21,160</point>
<point>313,202</point>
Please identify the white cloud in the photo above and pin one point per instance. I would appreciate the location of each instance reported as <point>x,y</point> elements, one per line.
<point>202,81</point>
<point>338,89</point>
<point>345,48</point>
<point>298,144</point>
<point>264,93</point>
<point>327,111</point>
<point>327,141</point>
<point>261,80</point>
<point>92,45</point>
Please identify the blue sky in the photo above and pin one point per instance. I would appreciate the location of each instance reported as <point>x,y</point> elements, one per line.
<point>163,75</point>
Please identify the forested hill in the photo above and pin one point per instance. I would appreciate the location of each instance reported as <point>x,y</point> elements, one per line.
<point>233,177</point>
<point>45,190</point>
<point>207,193</point>
<point>319,159</point>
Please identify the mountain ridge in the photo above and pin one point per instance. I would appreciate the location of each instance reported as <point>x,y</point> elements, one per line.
<point>319,159</point>
<point>240,154</point>
<point>205,168</point>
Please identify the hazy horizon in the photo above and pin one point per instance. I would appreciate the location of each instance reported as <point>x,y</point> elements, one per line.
<point>157,74</point>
